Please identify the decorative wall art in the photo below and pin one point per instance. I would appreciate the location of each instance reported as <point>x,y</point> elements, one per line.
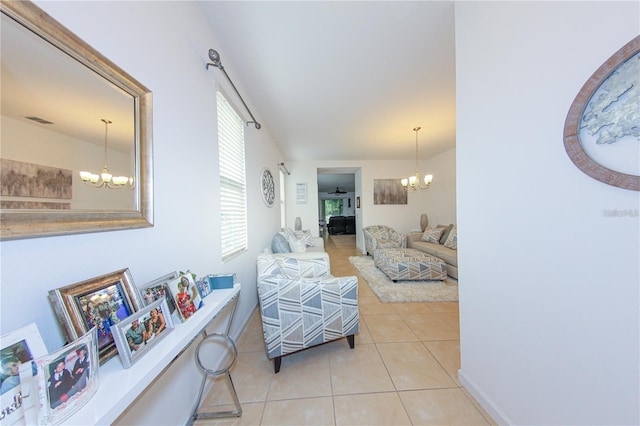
<point>267,187</point>
<point>301,193</point>
<point>389,191</point>
<point>67,379</point>
<point>27,180</point>
<point>100,302</point>
<point>601,132</point>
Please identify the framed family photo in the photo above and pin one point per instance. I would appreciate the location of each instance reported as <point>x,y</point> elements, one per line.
<point>185,295</point>
<point>18,388</point>
<point>67,378</point>
<point>157,289</point>
<point>142,330</point>
<point>100,302</point>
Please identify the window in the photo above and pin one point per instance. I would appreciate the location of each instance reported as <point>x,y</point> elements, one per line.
<point>233,198</point>
<point>332,208</point>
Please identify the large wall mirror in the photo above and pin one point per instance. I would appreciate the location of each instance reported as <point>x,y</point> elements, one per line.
<point>67,109</point>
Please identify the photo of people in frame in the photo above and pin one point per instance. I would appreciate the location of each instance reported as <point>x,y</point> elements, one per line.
<point>186,295</point>
<point>10,359</point>
<point>145,329</point>
<point>68,375</point>
<point>157,292</point>
<point>103,309</point>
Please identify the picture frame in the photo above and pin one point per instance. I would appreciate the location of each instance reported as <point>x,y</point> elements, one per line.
<point>18,387</point>
<point>150,325</point>
<point>157,289</point>
<point>101,302</point>
<point>185,295</point>
<point>389,191</point>
<point>357,202</point>
<point>68,378</point>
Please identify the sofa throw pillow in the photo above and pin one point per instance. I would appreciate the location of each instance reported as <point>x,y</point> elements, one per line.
<point>279,244</point>
<point>452,239</point>
<point>432,235</point>
<point>304,236</point>
<point>298,246</point>
<point>288,234</point>
<point>445,234</point>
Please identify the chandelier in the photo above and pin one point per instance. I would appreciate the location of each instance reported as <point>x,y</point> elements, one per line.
<point>105,179</point>
<point>413,182</point>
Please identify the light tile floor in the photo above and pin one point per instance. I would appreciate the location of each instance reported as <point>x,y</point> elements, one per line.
<point>403,370</point>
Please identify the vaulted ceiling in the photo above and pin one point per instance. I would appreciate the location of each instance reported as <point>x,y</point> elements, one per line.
<point>342,80</point>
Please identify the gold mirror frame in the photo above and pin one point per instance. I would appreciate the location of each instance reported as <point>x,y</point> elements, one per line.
<point>16,224</point>
<point>572,143</point>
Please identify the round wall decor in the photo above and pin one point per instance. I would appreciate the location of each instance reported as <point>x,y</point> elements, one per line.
<point>601,130</point>
<point>268,187</point>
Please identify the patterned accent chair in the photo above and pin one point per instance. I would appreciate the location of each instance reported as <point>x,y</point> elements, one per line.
<point>382,236</point>
<point>303,305</point>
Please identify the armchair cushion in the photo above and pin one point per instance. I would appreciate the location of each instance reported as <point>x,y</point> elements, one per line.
<point>382,236</point>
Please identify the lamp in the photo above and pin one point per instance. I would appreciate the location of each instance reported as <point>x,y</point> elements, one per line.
<point>105,179</point>
<point>413,182</point>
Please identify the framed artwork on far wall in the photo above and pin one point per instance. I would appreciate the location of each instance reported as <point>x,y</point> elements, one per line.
<point>389,191</point>
<point>99,302</point>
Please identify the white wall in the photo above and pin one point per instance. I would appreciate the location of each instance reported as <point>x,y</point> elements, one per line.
<point>164,45</point>
<point>439,202</point>
<point>549,312</point>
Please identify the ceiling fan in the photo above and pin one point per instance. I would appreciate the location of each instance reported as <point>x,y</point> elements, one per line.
<point>338,191</point>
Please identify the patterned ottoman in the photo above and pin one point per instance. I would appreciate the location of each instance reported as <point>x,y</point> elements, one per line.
<point>409,264</point>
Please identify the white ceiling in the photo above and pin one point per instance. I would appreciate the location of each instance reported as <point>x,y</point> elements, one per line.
<point>338,80</point>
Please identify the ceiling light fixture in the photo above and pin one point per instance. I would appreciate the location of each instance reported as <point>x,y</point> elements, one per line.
<point>105,179</point>
<point>413,182</point>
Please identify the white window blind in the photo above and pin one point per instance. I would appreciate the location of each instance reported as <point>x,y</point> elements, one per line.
<point>233,199</point>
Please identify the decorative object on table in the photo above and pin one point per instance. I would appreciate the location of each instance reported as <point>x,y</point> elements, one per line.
<point>413,182</point>
<point>68,378</point>
<point>301,193</point>
<point>220,281</point>
<point>137,334</point>
<point>424,221</point>
<point>267,187</point>
<point>388,191</point>
<point>404,291</point>
<point>185,295</point>
<point>101,302</point>
<point>601,129</point>
<point>157,289</point>
<point>18,389</point>
<point>298,224</point>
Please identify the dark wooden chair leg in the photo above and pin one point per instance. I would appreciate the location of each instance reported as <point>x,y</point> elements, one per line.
<point>352,341</point>
<point>277,361</point>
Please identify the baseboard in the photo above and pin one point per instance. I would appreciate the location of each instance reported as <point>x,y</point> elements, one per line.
<point>486,403</point>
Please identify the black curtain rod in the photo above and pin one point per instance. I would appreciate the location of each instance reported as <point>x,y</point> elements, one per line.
<point>215,58</point>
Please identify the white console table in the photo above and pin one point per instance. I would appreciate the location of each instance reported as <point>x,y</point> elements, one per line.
<point>119,387</point>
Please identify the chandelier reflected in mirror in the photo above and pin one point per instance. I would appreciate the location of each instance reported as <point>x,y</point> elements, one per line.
<point>106,179</point>
<point>413,182</point>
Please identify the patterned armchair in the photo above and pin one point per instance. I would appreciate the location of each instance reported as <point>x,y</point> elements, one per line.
<point>382,236</point>
<point>303,305</point>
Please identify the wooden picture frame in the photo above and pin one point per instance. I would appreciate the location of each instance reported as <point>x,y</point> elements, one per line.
<point>102,302</point>
<point>142,323</point>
